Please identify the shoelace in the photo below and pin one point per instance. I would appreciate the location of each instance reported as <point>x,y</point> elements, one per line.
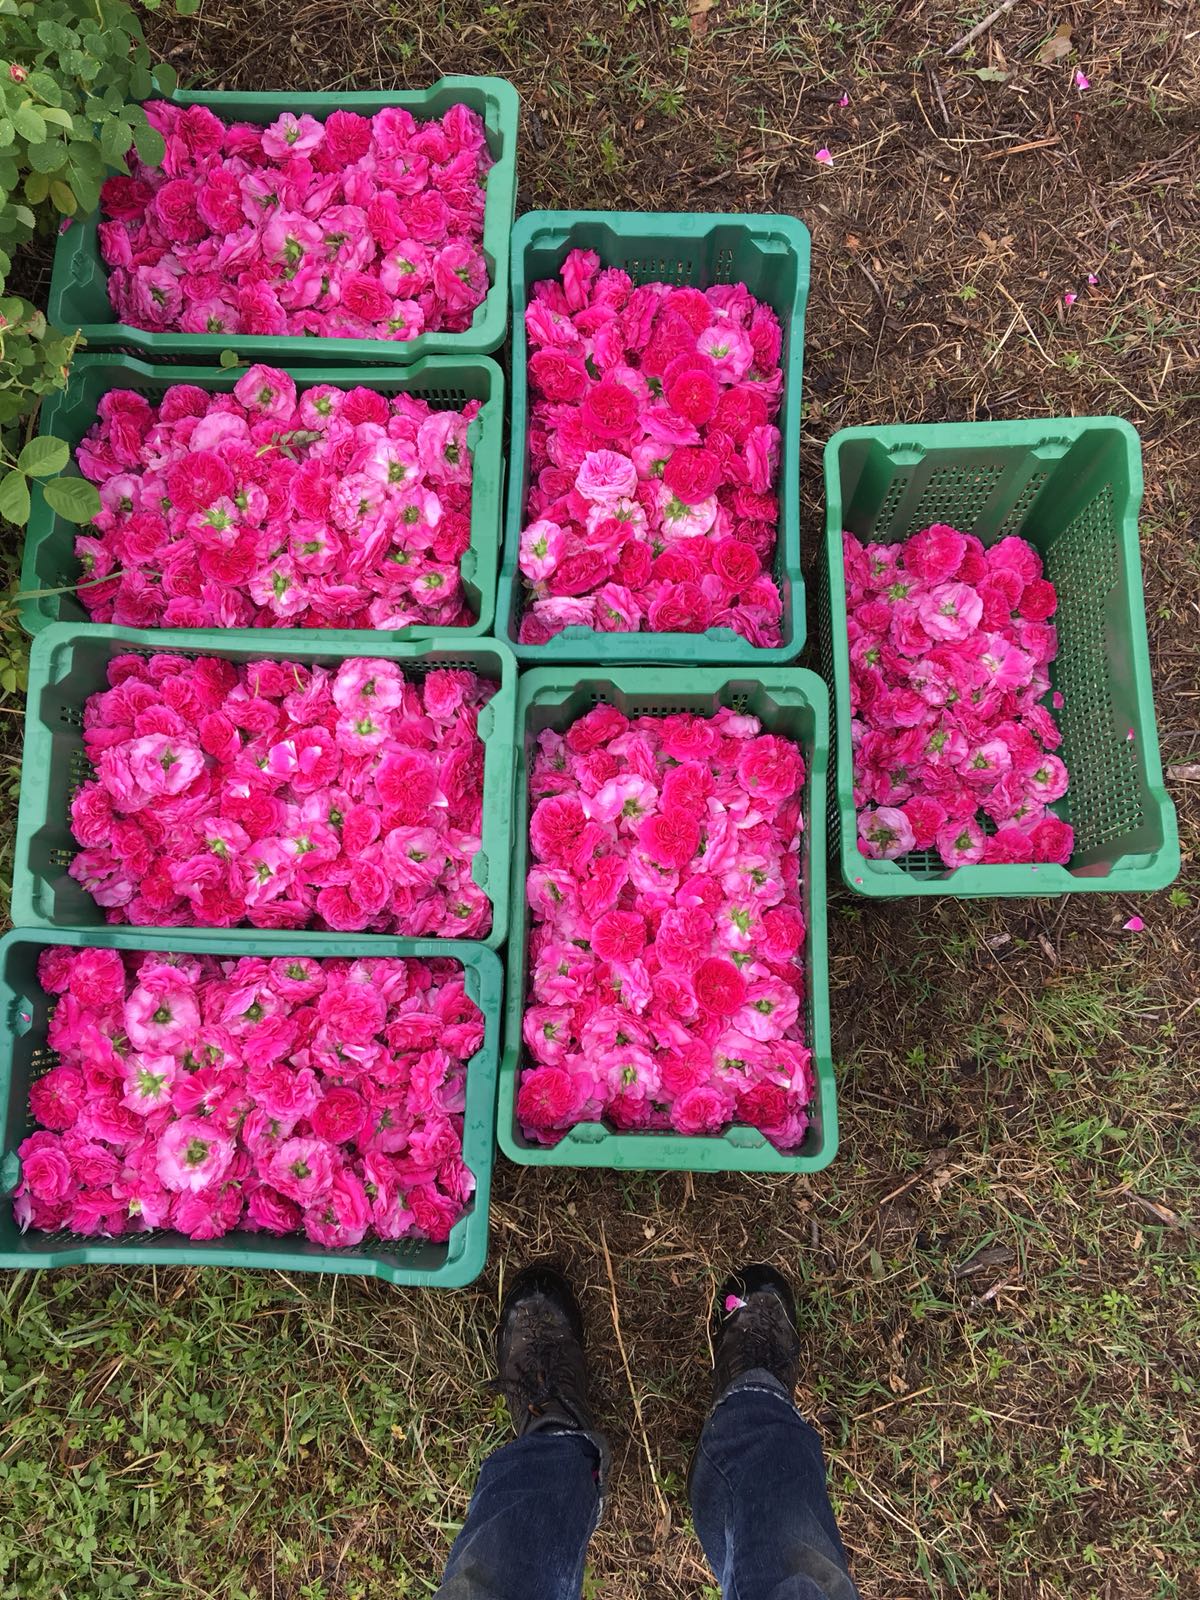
<point>764,1343</point>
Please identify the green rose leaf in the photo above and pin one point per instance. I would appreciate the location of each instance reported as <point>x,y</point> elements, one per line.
<point>14,498</point>
<point>87,190</point>
<point>56,37</point>
<point>73,498</point>
<point>150,145</point>
<point>44,456</point>
<point>47,156</point>
<point>29,123</point>
<point>166,79</point>
<point>115,139</point>
<point>45,86</point>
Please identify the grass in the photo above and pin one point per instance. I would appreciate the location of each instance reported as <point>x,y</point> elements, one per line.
<point>1000,1274</point>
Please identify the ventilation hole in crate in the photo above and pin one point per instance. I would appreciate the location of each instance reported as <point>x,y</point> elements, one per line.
<point>724,268</point>
<point>599,697</point>
<point>1084,564</point>
<point>71,717</point>
<point>654,269</point>
<point>61,858</point>
<point>882,526</point>
<point>958,495</point>
<point>1015,519</point>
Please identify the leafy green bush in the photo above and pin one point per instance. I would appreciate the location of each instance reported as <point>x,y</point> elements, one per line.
<point>69,72</point>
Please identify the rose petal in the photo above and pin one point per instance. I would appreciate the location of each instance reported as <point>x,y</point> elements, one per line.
<point>733,1303</point>
<point>1134,925</point>
<point>824,157</point>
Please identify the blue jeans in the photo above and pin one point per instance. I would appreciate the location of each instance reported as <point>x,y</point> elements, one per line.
<point>759,1504</point>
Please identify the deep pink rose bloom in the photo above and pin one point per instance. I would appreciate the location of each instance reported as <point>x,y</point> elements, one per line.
<point>1053,840</point>
<point>46,1169</point>
<point>546,1099</point>
<point>935,554</point>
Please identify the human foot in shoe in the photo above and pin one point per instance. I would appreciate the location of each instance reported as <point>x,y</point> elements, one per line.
<point>542,1371</point>
<point>754,1329</point>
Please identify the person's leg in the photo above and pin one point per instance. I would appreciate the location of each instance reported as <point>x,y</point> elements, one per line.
<point>531,1516</point>
<point>539,1498</point>
<point>759,1498</point>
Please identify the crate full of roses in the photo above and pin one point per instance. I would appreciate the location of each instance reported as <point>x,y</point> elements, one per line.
<point>667,1003</point>
<point>330,498</point>
<point>653,505</point>
<point>282,796</point>
<point>174,1104</point>
<point>280,222</point>
<point>984,630</point>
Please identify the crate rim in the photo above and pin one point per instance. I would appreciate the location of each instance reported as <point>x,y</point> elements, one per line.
<point>888,881</point>
<point>716,646</point>
<point>466,1249</point>
<point>488,453</point>
<point>490,320</point>
<point>498,749</point>
<point>683,1152</point>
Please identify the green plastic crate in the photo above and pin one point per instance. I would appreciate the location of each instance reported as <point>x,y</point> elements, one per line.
<point>69,664</point>
<point>50,567</point>
<point>24,1056</point>
<point>1072,487</point>
<point>79,283</point>
<point>788,701</point>
<point>770,255</point>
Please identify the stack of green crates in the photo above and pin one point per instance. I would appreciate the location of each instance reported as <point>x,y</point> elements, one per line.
<point>70,658</point>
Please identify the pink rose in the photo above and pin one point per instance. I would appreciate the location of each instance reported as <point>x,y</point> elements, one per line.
<point>701,1110</point>
<point>193,1155</point>
<point>46,1171</point>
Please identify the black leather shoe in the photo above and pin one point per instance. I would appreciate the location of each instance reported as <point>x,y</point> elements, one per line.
<point>542,1370</point>
<point>754,1328</point>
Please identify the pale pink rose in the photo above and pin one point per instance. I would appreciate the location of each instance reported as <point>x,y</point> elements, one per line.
<point>541,549</point>
<point>193,1155</point>
<point>606,477</point>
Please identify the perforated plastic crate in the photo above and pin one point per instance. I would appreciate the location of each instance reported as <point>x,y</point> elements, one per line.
<point>770,255</point>
<point>79,283</point>
<point>788,701</point>
<point>1072,487</point>
<point>24,1056</point>
<point>69,664</point>
<point>50,569</point>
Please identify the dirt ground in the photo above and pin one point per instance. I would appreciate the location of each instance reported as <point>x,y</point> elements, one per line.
<point>999,1275</point>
